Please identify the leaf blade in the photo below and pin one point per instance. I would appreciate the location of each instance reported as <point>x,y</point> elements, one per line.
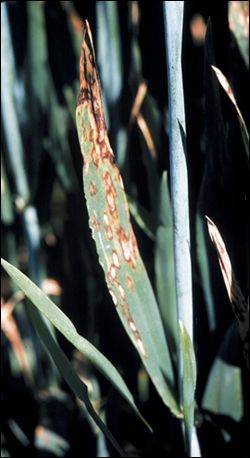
<point>116,245</point>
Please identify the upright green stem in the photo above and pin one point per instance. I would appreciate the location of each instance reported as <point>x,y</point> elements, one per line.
<point>173,18</point>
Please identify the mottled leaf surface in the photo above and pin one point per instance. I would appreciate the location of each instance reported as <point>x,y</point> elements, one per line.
<point>116,245</point>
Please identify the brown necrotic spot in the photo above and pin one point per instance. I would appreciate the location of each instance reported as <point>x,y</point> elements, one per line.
<point>107,179</point>
<point>106,219</point>
<point>111,203</point>
<point>122,292</point>
<point>141,347</point>
<point>109,233</point>
<point>112,274</point>
<point>130,283</point>
<point>96,223</point>
<point>132,325</point>
<point>108,229</point>
<point>86,166</point>
<point>95,157</point>
<point>92,189</point>
<point>110,194</point>
<point>126,243</point>
<point>115,259</point>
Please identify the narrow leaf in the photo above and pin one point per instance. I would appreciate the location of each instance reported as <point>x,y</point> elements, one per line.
<point>189,383</point>
<point>239,304</point>
<point>66,327</point>
<point>116,245</point>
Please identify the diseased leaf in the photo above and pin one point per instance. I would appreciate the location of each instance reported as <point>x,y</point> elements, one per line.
<point>227,88</point>
<point>239,304</point>
<point>116,245</point>
<point>66,327</point>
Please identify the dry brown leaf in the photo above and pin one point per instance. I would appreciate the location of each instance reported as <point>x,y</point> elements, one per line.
<point>10,329</point>
<point>239,304</point>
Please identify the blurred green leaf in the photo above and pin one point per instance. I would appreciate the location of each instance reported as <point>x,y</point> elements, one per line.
<point>223,393</point>
<point>37,62</point>
<point>66,327</point>
<point>188,383</point>
<point>7,213</point>
<point>10,122</point>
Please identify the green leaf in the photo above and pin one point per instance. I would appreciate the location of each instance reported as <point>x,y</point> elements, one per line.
<point>223,394</point>
<point>164,267</point>
<point>66,327</point>
<point>109,219</point>
<point>188,383</point>
<point>62,363</point>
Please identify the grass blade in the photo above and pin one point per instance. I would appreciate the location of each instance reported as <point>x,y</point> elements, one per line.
<point>63,365</point>
<point>188,387</point>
